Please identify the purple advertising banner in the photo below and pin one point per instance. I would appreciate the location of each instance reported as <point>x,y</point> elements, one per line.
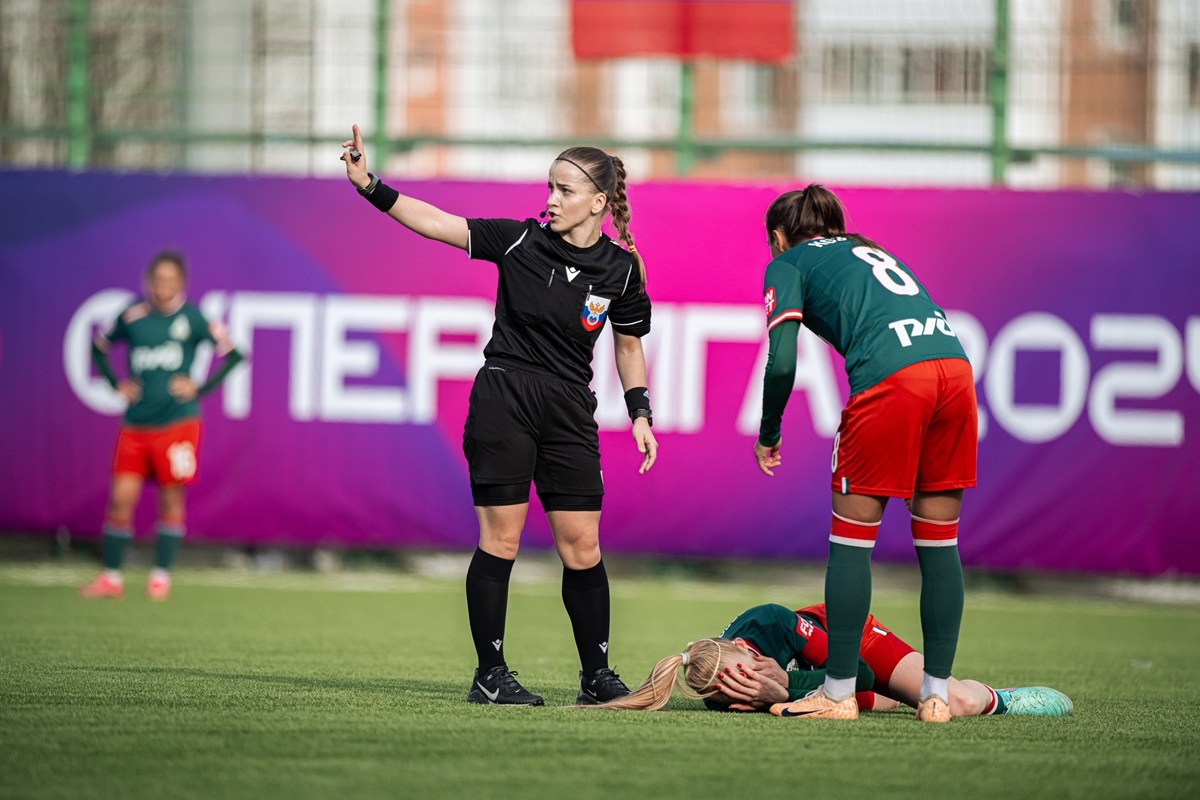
<point>1080,313</point>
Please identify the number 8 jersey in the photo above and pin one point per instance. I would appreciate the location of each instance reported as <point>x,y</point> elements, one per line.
<point>862,301</point>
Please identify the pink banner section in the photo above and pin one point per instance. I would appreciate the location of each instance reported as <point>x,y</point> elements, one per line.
<point>1080,313</point>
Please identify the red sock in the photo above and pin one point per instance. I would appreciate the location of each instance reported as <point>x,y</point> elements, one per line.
<point>934,533</point>
<point>853,532</point>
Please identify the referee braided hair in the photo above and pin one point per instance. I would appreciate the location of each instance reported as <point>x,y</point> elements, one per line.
<point>701,663</point>
<point>607,174</point>
<point>810,213</point>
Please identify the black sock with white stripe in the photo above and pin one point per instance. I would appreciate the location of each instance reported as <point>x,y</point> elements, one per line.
<point>487,606</point>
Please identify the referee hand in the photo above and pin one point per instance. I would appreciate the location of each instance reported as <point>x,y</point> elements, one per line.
<point>646,444</point>
<point>356,170</point>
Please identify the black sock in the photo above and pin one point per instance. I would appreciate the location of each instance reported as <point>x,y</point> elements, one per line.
<point>487,606</point>
<point>585,594</point>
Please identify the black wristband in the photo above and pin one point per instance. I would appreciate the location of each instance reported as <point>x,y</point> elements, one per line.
<point>637,399</point>
<point>380,195</point>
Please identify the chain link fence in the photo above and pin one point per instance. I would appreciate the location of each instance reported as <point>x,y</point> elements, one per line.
<point>1052,93</point>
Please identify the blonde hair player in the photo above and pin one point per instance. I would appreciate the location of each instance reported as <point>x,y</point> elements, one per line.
<point>771,656</point>
<point>531,416</point>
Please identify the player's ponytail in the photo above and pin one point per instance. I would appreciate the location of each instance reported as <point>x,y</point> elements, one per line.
<point>701,663</point>
<point>810,213</point>
<point>607,174</point>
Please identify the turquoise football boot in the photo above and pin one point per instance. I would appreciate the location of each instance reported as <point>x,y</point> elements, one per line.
<point>1036,701</point>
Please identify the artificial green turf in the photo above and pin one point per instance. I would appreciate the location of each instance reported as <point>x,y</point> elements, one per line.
<point>304,685</point>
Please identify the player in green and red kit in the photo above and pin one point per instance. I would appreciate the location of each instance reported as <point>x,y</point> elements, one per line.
<point>160,432</point>
<point>909,429</point>
<point>788,653</point>
<point>771,656</point>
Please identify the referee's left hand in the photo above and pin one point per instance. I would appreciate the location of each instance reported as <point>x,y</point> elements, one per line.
<point>646,444</point>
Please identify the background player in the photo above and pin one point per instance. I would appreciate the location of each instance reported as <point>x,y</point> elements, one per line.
<point>160,432</point>
<point>531,416</point>
<point>909,429</point>
<point>744,670</point>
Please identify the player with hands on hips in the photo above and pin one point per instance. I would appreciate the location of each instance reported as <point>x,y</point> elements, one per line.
<point>160,432</point>
<point>531,417</point>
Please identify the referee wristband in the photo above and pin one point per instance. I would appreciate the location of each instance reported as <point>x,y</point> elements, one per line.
<point>637,401</point>
<point>380,195</point>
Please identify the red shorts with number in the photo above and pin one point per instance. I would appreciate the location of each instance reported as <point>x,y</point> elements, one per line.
<point>167,454</point>
<point>916,429</point>
<point>880,648</point>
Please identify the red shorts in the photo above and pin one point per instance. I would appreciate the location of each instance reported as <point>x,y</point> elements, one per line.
<point>916,429</point>
<point>880,648</point>
<point>167,454</point>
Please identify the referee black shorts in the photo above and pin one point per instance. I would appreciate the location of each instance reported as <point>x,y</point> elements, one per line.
<point>523,426</point>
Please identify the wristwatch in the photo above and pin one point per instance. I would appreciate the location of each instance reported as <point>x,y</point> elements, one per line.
<point>642,413</point>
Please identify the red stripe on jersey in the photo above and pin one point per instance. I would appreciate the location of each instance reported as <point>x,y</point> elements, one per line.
<point>790,314</point>
<point>816,649</point>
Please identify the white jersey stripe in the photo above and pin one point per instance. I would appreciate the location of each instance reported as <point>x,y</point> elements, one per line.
<point>796,315</point>
<point>517,242</point>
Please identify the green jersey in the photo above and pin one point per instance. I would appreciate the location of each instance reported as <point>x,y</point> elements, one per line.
<point>798,643</point>
<point>162,344</point>
<point>864,302</point>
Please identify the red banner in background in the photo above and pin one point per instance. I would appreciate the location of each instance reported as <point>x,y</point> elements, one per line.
<point>754,30</point>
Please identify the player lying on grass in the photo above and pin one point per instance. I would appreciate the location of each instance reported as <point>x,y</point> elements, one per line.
<point>770,656</point>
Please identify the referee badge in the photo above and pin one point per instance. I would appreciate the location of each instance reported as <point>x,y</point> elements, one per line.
<point>595,310</point>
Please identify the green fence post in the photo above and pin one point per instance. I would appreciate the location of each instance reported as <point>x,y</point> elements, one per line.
<point>383,24</point>
<point>79,133</point>
<point>998,89</point>
<point>685,141</point>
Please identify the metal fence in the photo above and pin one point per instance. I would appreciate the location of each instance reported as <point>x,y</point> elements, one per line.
<point>1036,93</point>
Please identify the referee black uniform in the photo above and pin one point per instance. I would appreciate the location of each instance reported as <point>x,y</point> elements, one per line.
<point>531,414</point>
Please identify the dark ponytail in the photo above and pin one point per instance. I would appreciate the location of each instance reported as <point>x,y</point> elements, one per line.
<point>813,212</point>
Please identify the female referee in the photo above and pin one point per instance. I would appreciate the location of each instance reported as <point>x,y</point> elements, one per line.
<point>909,429</point>
<point>531,414</point>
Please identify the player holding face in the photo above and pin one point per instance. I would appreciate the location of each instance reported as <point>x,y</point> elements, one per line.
<point>160,433</point>
<point>908,430</point>
<point>531,419</point>
<point>743,670</point>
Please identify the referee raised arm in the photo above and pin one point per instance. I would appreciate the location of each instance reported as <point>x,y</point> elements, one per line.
<point>531,417</point>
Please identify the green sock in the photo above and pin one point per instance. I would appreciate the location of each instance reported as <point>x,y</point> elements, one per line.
<point>112,547</point>
<point>167,545</point>
<point>847,602</point>
<point>941,606</point>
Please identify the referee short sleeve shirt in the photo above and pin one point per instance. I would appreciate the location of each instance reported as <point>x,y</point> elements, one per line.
<point>554,298</point>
